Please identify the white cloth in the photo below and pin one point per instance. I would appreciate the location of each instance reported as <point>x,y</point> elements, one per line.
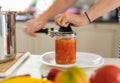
<point>15,5</point>
<point>43,5</point>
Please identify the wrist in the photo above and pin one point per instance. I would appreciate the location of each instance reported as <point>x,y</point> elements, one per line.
<point>84,19</point>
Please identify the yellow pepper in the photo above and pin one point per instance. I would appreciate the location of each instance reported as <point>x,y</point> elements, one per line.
<point>26,80</point>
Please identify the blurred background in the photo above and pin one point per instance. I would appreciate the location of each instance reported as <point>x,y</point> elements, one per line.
<point>100,37</point>
<point>27,9</point>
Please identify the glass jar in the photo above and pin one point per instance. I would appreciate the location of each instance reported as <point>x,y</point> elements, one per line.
<point>65,48</point>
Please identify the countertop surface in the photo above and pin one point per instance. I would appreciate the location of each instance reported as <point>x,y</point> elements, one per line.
<point>35,68</point>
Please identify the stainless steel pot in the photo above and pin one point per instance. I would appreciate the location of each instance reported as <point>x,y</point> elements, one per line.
<point>7,36</point>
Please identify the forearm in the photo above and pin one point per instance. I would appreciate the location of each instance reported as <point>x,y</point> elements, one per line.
<point>102,7</point>
<point>57,7</point>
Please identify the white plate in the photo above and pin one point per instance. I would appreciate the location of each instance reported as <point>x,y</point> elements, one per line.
<point>84,60</point>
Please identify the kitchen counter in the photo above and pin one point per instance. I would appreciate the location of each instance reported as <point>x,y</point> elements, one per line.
<point>35,68</point>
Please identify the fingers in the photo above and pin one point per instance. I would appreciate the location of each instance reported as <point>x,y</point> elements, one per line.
<point>65,22</point>
<point>32,26</point>
<point>62,20</point>
<point>29,31</point>
<point>58,19</point>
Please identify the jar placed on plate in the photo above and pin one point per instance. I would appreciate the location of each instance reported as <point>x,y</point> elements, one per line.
<point>65,48</point>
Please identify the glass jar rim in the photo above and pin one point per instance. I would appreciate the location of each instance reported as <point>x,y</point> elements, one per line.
<point>65,34</point>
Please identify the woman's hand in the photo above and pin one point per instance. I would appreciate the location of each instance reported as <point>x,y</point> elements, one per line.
<point>31,26</point>
<point>65,19</point>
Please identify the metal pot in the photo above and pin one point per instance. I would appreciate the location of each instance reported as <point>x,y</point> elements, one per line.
<point>7,36</point>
